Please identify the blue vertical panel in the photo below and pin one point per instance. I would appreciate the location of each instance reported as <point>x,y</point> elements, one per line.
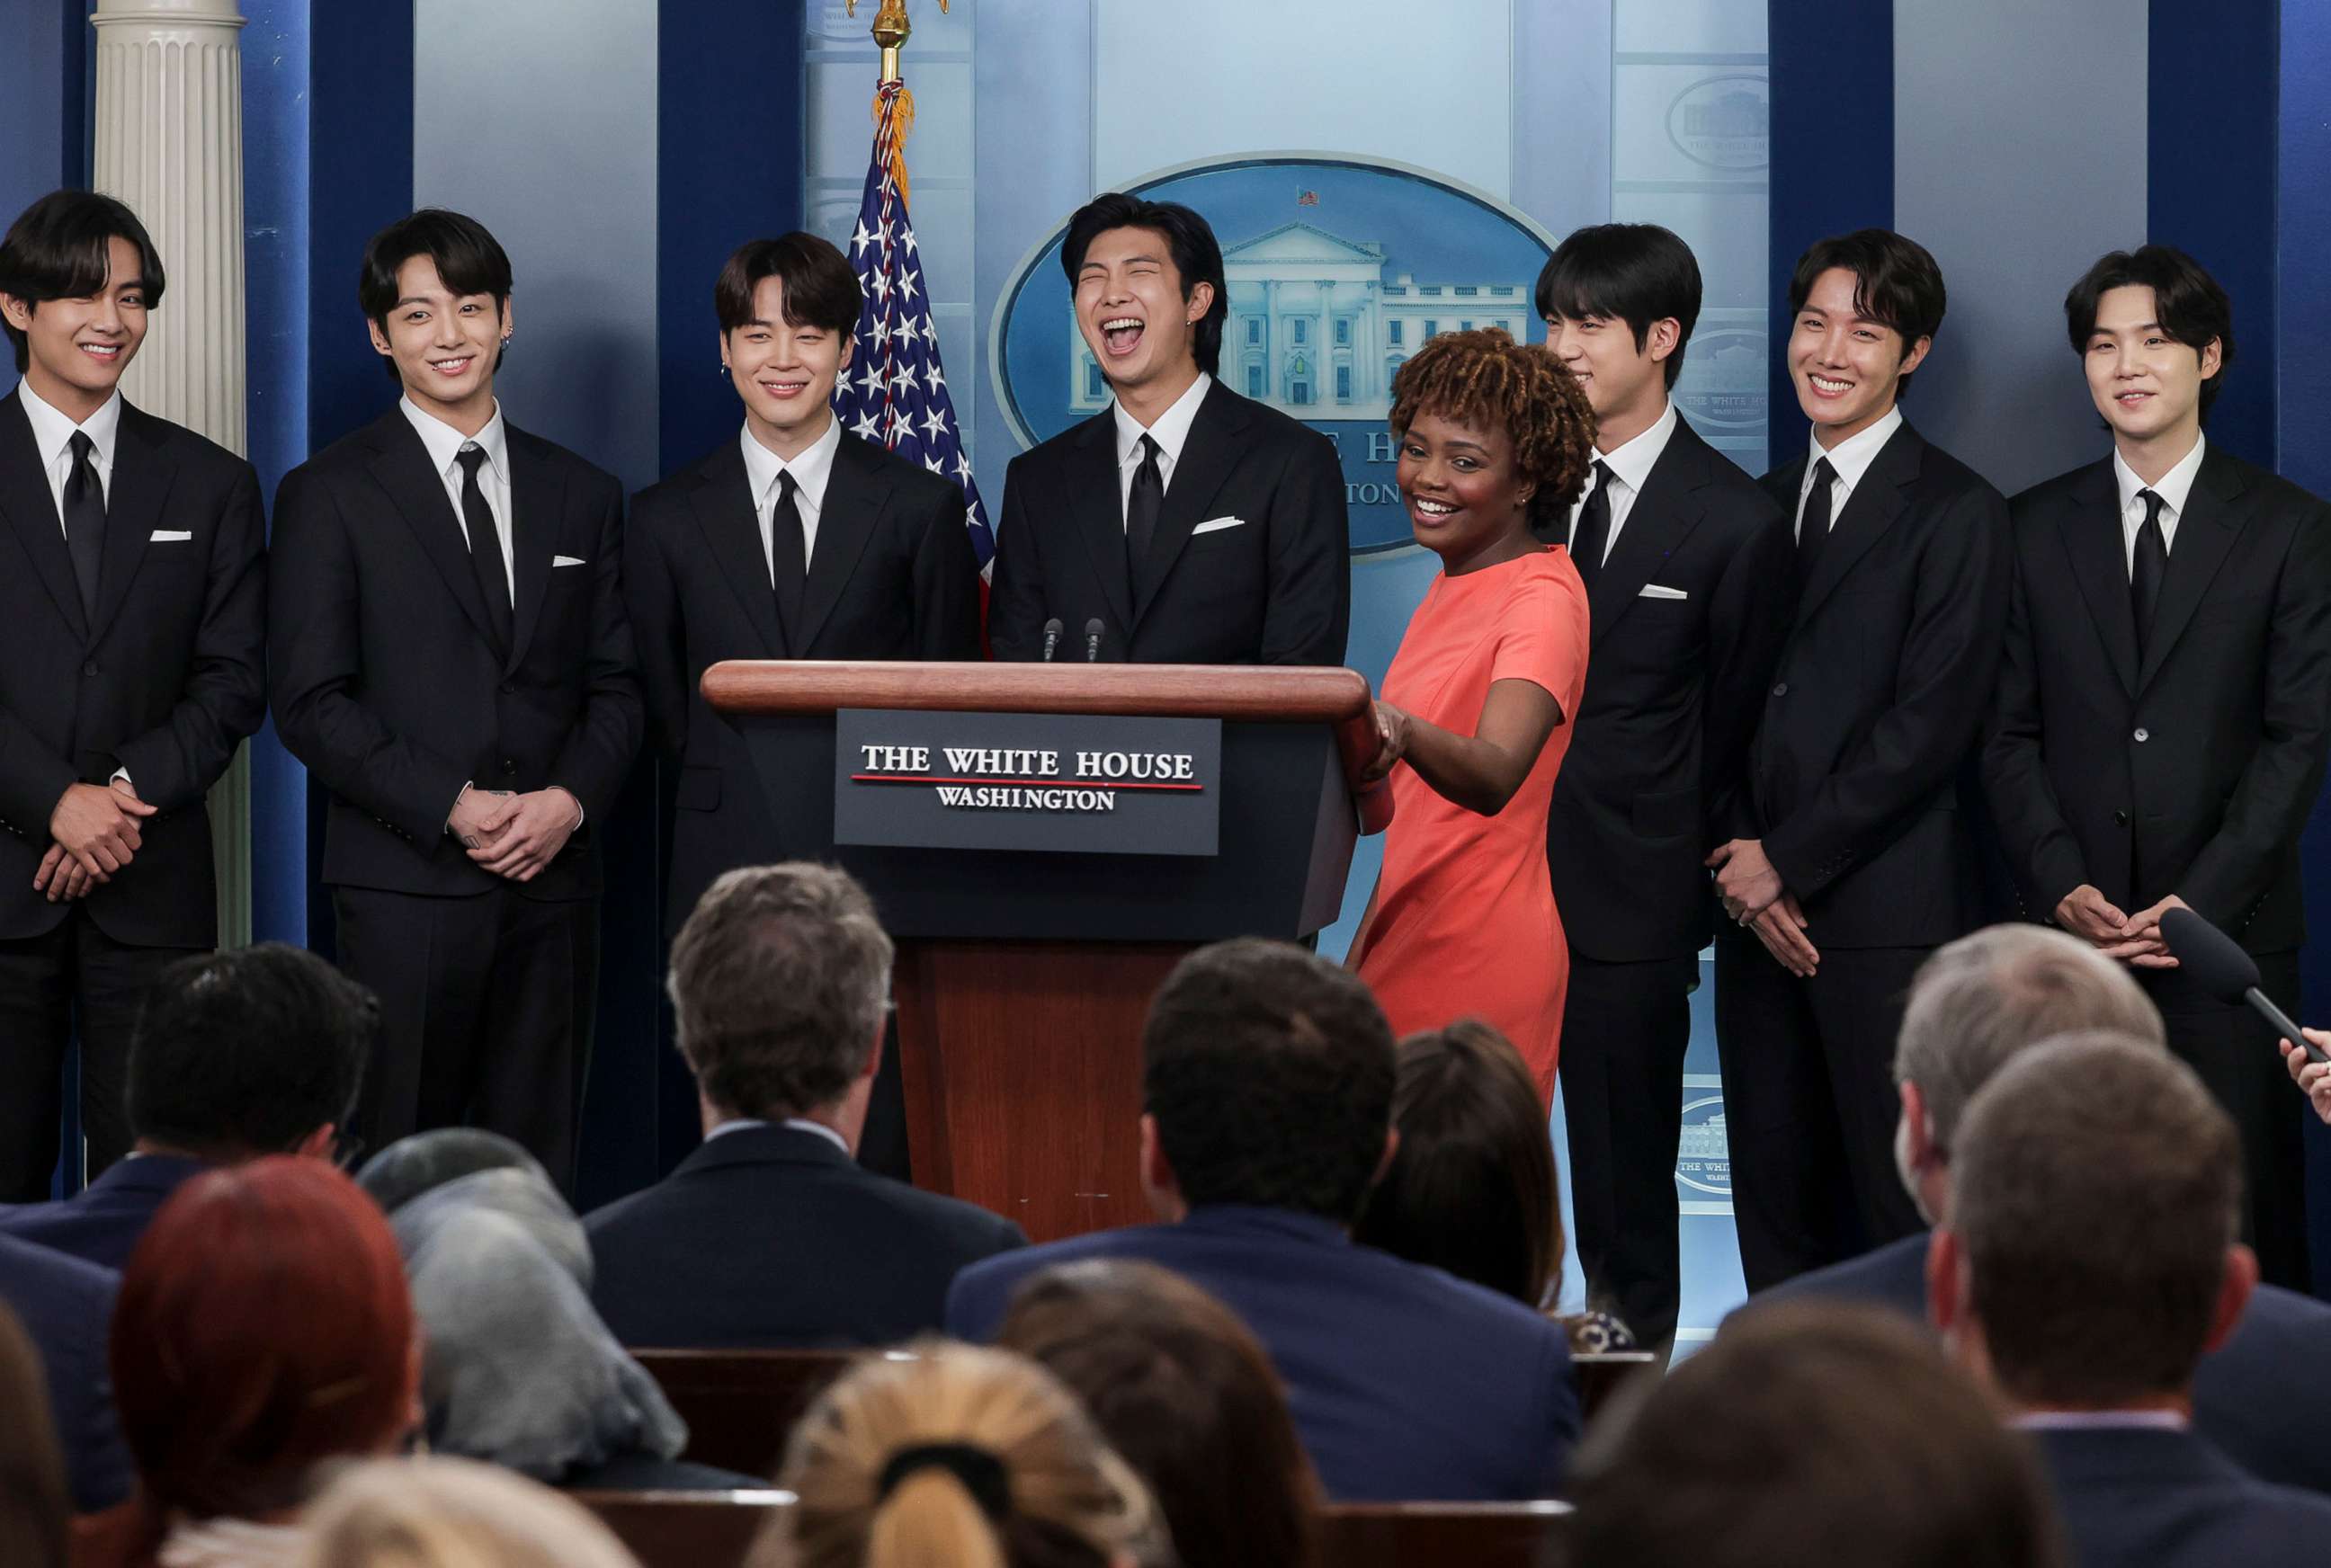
<point>2303,411</point>
<point>1831,74</point>
<point>276,162</point>
<point>43,110</point>
<point>2210,135</point>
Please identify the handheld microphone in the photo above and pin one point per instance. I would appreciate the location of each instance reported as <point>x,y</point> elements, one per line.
<point>1053,629</point>
<point>1093,629</point>
<point>2222,970</point>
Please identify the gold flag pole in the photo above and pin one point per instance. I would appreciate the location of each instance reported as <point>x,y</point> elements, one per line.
<point>891,31</point>
<point>891,99</point>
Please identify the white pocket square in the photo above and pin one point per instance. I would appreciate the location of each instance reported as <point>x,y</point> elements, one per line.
<point>1217,525</point>
<point>557,561</point>
<point>170,536</point>
<point>1655,591</point>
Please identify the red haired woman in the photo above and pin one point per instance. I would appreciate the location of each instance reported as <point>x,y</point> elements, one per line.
<point>1493,436</point>
<point>263,1327</point>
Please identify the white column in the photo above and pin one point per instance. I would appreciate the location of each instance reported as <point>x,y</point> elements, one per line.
<point>169,143</point>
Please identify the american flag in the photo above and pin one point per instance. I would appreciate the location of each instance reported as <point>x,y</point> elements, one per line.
<point>894,391</point>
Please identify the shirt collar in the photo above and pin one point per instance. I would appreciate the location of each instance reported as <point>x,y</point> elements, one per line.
<point>1633,461</point>
<point>1171,428</point>
<point>2174,486</point>
<point>2091,1421</point>
<point>797,1123</point>
<point>1851,458</point>
<point>445,443</point>
<point>52,430</point>
<point>811,469</point>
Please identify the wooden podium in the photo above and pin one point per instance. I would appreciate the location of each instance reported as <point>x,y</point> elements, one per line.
<point>1023,976</point>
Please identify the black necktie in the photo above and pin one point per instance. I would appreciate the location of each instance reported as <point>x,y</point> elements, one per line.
<point>789,558</point>
<point>1591,537</point>
<point>84,514</point>
<point>1143,504</point>
<point>485,544</point>
<point>2148,565</point>
<point>1813,529</point>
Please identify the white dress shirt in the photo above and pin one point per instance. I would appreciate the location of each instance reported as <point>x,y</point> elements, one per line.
<point>1848,459</point>
<point>446,446</point>
<point>1629,467</point>
<point>2174,486</point>
<point>798,1124</point>
<point>811,471</point>
<point>52,434</point>
<point>2099,1420</point>
<point>1172,432</point>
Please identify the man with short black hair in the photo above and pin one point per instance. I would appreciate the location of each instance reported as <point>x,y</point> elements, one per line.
<point>448,654</point>
<point>132,625</point>
<point>2090,1259</point>
<point>256,1050</point>
<point>1850,857</point>
<point>770,1234</point>
<point>2165,699</point>
<point>1191,525</point>
<point>1686,563</point>
<point>1267,1084</point>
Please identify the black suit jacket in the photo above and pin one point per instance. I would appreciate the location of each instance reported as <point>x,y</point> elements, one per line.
<point>1866,749</point>
<point>66,1308</point>
<point>102,1222</point>
<point>2192,770</point>
<point>2137,1499</point>
<point>893,577</point>
<point>2264,1396</point>
<point>1276,589</point>
<point>772,1236</point>
<point>385,680</point>
<point>165,681</point>
<point>1674,689</point>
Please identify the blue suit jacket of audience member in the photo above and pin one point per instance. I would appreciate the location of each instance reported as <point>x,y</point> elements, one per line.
<point>771,1237</point>
<point>2263,1398</point>
<point>1408,1384</point>
<point>100,1223</point>
<point>2139,1497</point>
<point>66,1307</point>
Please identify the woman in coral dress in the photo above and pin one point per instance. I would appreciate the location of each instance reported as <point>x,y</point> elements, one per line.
<point>1475,713</point>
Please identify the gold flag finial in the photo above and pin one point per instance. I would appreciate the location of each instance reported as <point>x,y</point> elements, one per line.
<point>890,30</point>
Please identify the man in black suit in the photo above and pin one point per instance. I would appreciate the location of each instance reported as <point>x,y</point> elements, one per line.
<point>1186,525</point>
<point>2264,1396</point>
<point>253,1051</point>
<point>795,540</point>
<point>1850,858</point>
<point>770,1234</point>
<point>132,624</point>
<point>450,660</point>
<point>1686,563</point>
<point>2090,1259</point>
<point>2165,699</point>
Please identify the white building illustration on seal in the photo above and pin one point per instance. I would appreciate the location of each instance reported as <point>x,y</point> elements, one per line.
<point>1317,330</point>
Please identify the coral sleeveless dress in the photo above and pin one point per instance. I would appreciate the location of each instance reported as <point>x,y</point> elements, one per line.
<point>1465,923</point>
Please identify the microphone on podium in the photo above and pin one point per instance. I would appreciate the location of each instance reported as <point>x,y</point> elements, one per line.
<point>2222,970</point>
<point>1093,629</point>
<point>1053,629</point>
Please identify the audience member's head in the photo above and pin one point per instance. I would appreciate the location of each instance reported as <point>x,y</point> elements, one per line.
<point>1185,1394</point>
<point>2091,1254</point>
<point>1811,1432</point>
<point>1473,1189</point>
<point>781,978</point>
<point>517,1369</point>
<point>1267,1078</point>
<point>447,1513</point>
<point>969,1456</point>
<point>1976,1003</point>
<point>248,1051</point>
<point>263,1327</point>
<point>420,1164</point>
<point>34,1503</point>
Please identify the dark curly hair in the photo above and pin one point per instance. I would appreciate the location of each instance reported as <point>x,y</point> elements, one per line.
<point>1485,379</point>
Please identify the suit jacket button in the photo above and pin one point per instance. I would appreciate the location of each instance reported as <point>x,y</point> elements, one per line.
<point>89,668</point>
<point>1781,688</point>
<point>510,768</point>
<point>2142,735</point>
<point>2120,819</point>
<point>508,687</point>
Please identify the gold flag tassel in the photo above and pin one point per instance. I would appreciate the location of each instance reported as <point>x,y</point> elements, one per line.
<point>894,106</point>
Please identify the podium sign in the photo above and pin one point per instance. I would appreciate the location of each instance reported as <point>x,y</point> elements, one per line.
<point>1078,783</point>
